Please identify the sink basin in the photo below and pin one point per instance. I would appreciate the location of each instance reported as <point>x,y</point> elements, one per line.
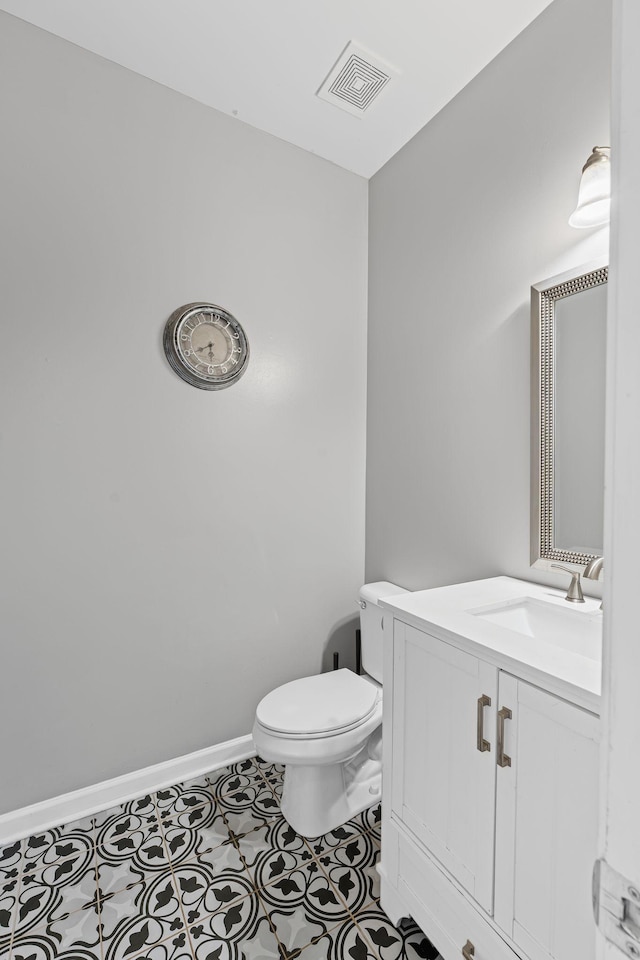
<point>576,631</point>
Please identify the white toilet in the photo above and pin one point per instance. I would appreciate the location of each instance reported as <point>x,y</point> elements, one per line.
<point>327,730</point>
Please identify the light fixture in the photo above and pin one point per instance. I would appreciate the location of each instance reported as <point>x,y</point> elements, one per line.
<point>594,195</point>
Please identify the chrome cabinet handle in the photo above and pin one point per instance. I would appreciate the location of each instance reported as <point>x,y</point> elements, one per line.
<point>482,744</point>
<point>468,951</point>
<point>503,714</point>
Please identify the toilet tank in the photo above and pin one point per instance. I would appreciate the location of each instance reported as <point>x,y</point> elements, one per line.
<point>372,620</point>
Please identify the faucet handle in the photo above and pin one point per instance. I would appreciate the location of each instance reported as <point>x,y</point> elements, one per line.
<point>574,593</point>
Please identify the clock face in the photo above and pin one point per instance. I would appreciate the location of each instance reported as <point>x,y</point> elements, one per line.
<point>206,346</point>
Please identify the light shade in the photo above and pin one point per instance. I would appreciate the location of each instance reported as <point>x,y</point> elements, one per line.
<point>594,196</point>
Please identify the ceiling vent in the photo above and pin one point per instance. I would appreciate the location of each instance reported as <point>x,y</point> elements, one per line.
<point>356,79</point>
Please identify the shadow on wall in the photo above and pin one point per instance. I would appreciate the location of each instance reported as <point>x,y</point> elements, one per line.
<point>342,640</point>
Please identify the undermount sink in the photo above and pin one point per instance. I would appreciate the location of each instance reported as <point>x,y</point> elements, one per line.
<point>576,631</point>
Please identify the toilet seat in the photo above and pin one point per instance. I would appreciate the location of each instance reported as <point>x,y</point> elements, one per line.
<point>320,706</point>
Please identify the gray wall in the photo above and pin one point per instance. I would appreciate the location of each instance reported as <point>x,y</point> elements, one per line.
<point>168,555</point>
<point>461,222</point>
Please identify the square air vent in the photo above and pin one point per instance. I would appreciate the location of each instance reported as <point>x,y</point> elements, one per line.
<point>356,79</point>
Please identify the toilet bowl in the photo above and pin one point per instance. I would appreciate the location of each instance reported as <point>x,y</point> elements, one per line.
<point>327,731</point>
<point>315,726</point>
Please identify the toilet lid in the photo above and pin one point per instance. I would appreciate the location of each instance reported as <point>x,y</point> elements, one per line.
<point>326,703</point>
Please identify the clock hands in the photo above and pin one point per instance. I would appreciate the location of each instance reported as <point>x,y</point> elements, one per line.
<point>208,346</point>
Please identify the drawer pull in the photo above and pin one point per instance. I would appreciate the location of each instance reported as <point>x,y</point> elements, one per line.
<point>503,714</point>
<point>468,951</point>
<point>483,745</point>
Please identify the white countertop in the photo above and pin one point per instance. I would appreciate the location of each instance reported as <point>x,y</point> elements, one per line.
<point>571,671</point>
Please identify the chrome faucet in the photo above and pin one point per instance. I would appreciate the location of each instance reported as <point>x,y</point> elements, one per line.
<point>574,593</point>
<point>593,568</point>
<point>592,571</point>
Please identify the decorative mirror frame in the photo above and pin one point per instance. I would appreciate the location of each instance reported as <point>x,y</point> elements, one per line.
<point>543,299</point>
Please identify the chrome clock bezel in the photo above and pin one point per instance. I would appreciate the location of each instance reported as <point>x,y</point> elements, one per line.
<point>205,379</point>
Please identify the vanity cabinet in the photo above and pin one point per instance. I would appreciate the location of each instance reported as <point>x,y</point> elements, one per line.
<point>489,805</point>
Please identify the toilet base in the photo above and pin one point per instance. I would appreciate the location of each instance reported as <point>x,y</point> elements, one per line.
<point>317,799</point>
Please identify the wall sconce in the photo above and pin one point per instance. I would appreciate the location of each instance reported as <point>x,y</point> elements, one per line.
<point>594,195</point>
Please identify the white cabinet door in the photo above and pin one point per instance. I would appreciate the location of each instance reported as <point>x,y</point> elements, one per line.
<point>547,823</point>
<point>443,786</point>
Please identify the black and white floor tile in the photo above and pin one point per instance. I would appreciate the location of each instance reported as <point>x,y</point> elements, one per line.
<point>203,870</point>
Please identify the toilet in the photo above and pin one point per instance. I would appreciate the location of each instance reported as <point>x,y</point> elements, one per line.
<point>327,730</point>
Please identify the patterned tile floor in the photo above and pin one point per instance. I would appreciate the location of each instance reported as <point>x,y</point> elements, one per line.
<point>207,869</point>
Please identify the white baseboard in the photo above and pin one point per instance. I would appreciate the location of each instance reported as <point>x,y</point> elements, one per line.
<point>100,796</point>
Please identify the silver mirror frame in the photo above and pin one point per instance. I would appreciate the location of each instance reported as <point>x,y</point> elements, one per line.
<point>543,299</point>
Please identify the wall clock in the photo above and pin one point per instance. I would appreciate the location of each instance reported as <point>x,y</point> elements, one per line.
<point>206,346</point>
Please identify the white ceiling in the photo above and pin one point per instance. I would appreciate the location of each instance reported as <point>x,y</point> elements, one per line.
<point>263,60</point>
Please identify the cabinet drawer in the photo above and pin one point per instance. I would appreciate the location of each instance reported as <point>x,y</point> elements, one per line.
<point>445,915</point>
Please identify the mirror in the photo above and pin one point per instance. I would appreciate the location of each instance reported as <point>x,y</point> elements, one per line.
<point>568,342</point>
